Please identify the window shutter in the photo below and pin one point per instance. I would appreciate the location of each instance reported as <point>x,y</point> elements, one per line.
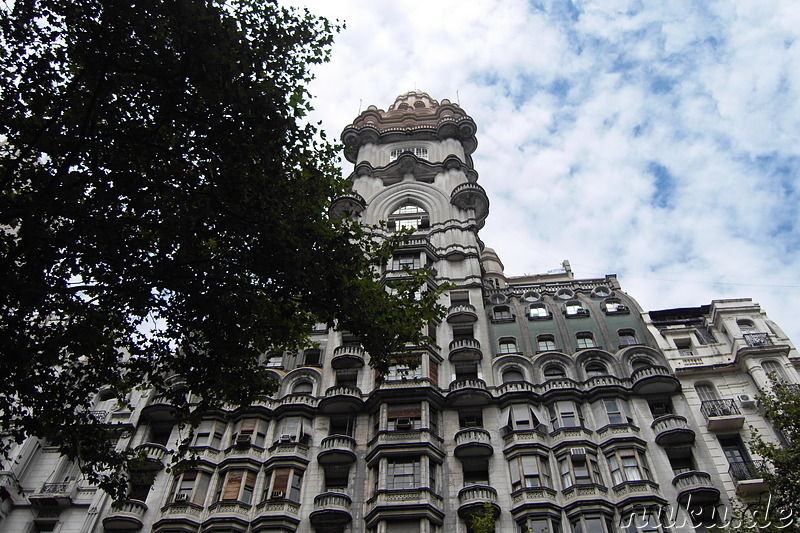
<point>405,411</point>
<point>434,373</point>
<point>232,486</point>
<point>281,479</point>
<point>248,426</point>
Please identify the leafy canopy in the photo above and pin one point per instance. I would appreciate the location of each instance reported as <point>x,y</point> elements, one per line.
<point>164,211</point>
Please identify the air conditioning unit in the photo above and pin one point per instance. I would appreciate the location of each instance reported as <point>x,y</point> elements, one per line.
<point>403,423</point>
<point>243,440</point>
<point>286,438</point>
<point>278,495</point>
<point>577,452</point>
<point>181,497</point>
<point>746,400</point>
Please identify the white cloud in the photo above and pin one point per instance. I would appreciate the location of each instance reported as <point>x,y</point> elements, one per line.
<point>575,108</point>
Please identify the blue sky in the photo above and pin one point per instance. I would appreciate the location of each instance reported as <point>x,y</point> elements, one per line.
<point>653,140</point>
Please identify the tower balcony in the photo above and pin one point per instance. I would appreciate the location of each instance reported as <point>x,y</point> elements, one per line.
<point>347,356</point>
<point>276,515</point>
<point>54,495</point>
<point>462,314</point>
<point>153,455</point>
<point>341,398</point>
<point>125,515</point>
<point>722,415</point>
<point>748,476</point>
<point>465,351</point>
<point>331,510</point>
<point>337,449</point>
<point>536,436</point>
<point>559,386</point>
<point>654,380</point>
<point>672,430</point>
<point>158,409</point>
<point>467,392</point>
<point>695,488</point>
<point>473,499</point>
<point>515,390</point>
<point>471,196</point>
<point>473,442</point>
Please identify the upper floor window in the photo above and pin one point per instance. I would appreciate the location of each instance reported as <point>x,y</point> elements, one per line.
<point>508,345</point>
<point>418,151</point>
<point>613,407</point>
<point>575,308</point>
<point>585,340</point>
<point>579,467</point>
<point>303,387</point>
<point>595,369</point>
<point>502,313</point>
<point>538,312</point>
<point>746,326</point>
<point>774,370</point>
<point>545,343</point>
<point>250,431</point>
<point>529,471</point>
<point>400,371</point>
<point>408,216</point>
<point>592,524</point>
<point>628,465</point>
<point>614,305</point>
<point>404,473</point>
<point>627,337</point>
<point>522,418</point>
<point>236,485</point>
<point>404,417</point>
<point>209,433</point>
<point>283,483</point>
<point>565,414</point>
<point>539,524</point>
<point>553,371</point>
<point>706,392</point>
<point>403,261</point>
<point>191,486</point>
<point>513,374</point>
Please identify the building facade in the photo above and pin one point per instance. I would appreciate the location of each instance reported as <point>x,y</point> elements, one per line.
<point>556,404</point>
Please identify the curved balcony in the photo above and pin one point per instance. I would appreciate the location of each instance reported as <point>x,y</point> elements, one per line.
<point>159,409</point>
<point>695,487</point>
<point>347,356</point>
<point>467,392</point>
<point>672,430</point>
<point>153,455</point>
<point>462,314</point>
<point>559,386</point>
<point>515,390</point>
<point>276,515</point>
<point>471,196</point>
<point>331,510</point>
<point>473,499</point>
<point>465,351</point>
<point>341,398</point>
<point>654,380</point>
<point>473,442</point>
<point>125,515</point>
<point>337,449</point>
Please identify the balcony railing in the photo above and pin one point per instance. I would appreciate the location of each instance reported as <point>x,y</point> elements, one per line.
<point>744,470</point>
<point>711,408</point>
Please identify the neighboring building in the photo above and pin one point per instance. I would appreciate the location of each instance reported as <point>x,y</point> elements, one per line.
<point>558,402</point>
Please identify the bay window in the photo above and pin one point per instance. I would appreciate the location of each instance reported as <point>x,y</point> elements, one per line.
<point>529,471</point>
<point>628,465</point>
<point>404,473</point>
<point>542,524</point>
<point>190,486</point>
<point>250,431</point>
<point>283,483</point>
<point>236,485</point>
<point>565,414</point>
<point>579,468</point>
<point>209,433</point>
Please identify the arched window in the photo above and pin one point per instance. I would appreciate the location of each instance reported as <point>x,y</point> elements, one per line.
<point>418,151</point>
<point>746,326</point>
<point>553,371</point>
<point>585,339</point>
<point>513,374</point>
<point>595,369</point>
<point>574,308</point>
<point>545,343</point>
<point>774,370</point>
<point>408,216</point>
<point>302,387</point>
<point>538,311</point>
<point>706,392</point>
<point>508,345</point>
<point>641,362</point>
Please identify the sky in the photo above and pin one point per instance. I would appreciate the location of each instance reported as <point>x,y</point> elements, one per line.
<point>653,140</point>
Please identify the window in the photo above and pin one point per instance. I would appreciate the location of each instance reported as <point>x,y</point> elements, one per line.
<point>644,521</point>
<point>402,526</point>
<point>529,471</point>
<point>545,343</point>
<point>592,524</point>
<point>513,374</point>
<point>311,357</point>
<point>774,370</point>
<point>595,369</point>
<point>303,387</point>
<point>615,306</point>
<point>565,414</point>
<point>706,392</point>
<point>236,485</point>
<point>502,313</point>
<point>553,371</point>
<point>659,407</point>
<point>614,411</point>
<point>746,326</point>
<point>538,311</point>
<point>342,425</point>
<point>418,151</point>
<point>470,419</point>
<point>585,340</point>
<point>476,471</point>
<point>574,308</point>
<point>406,261</point>
<point>409,216</point>
<point>681,462</point>
<point>459,298</point>
<point>641,362</point>
<point>627,337</point>
<point>544,524</point>
<point>404,371</point>
<point>522,418</point>
<point>209,433</point>
<point>465,370</point>
<point>404,473</point>
<point>250,431</point>
<point>274,360</point>
<point>628,465</point>
<point>508,346</point>
<point>191,486</point>
<point>404,417</point>
<point>579,468</point>
<point>291,429</point>
<point>337,477</point>
<point>684,347</point>
<point>283,483</point>
<point>347,377</point>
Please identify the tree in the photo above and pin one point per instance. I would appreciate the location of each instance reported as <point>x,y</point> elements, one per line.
<point>164,211</point>
<point>779,508</point>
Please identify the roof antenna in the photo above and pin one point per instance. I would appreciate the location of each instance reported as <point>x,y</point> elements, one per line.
<point>458,98</point>
<point>359,107</point>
